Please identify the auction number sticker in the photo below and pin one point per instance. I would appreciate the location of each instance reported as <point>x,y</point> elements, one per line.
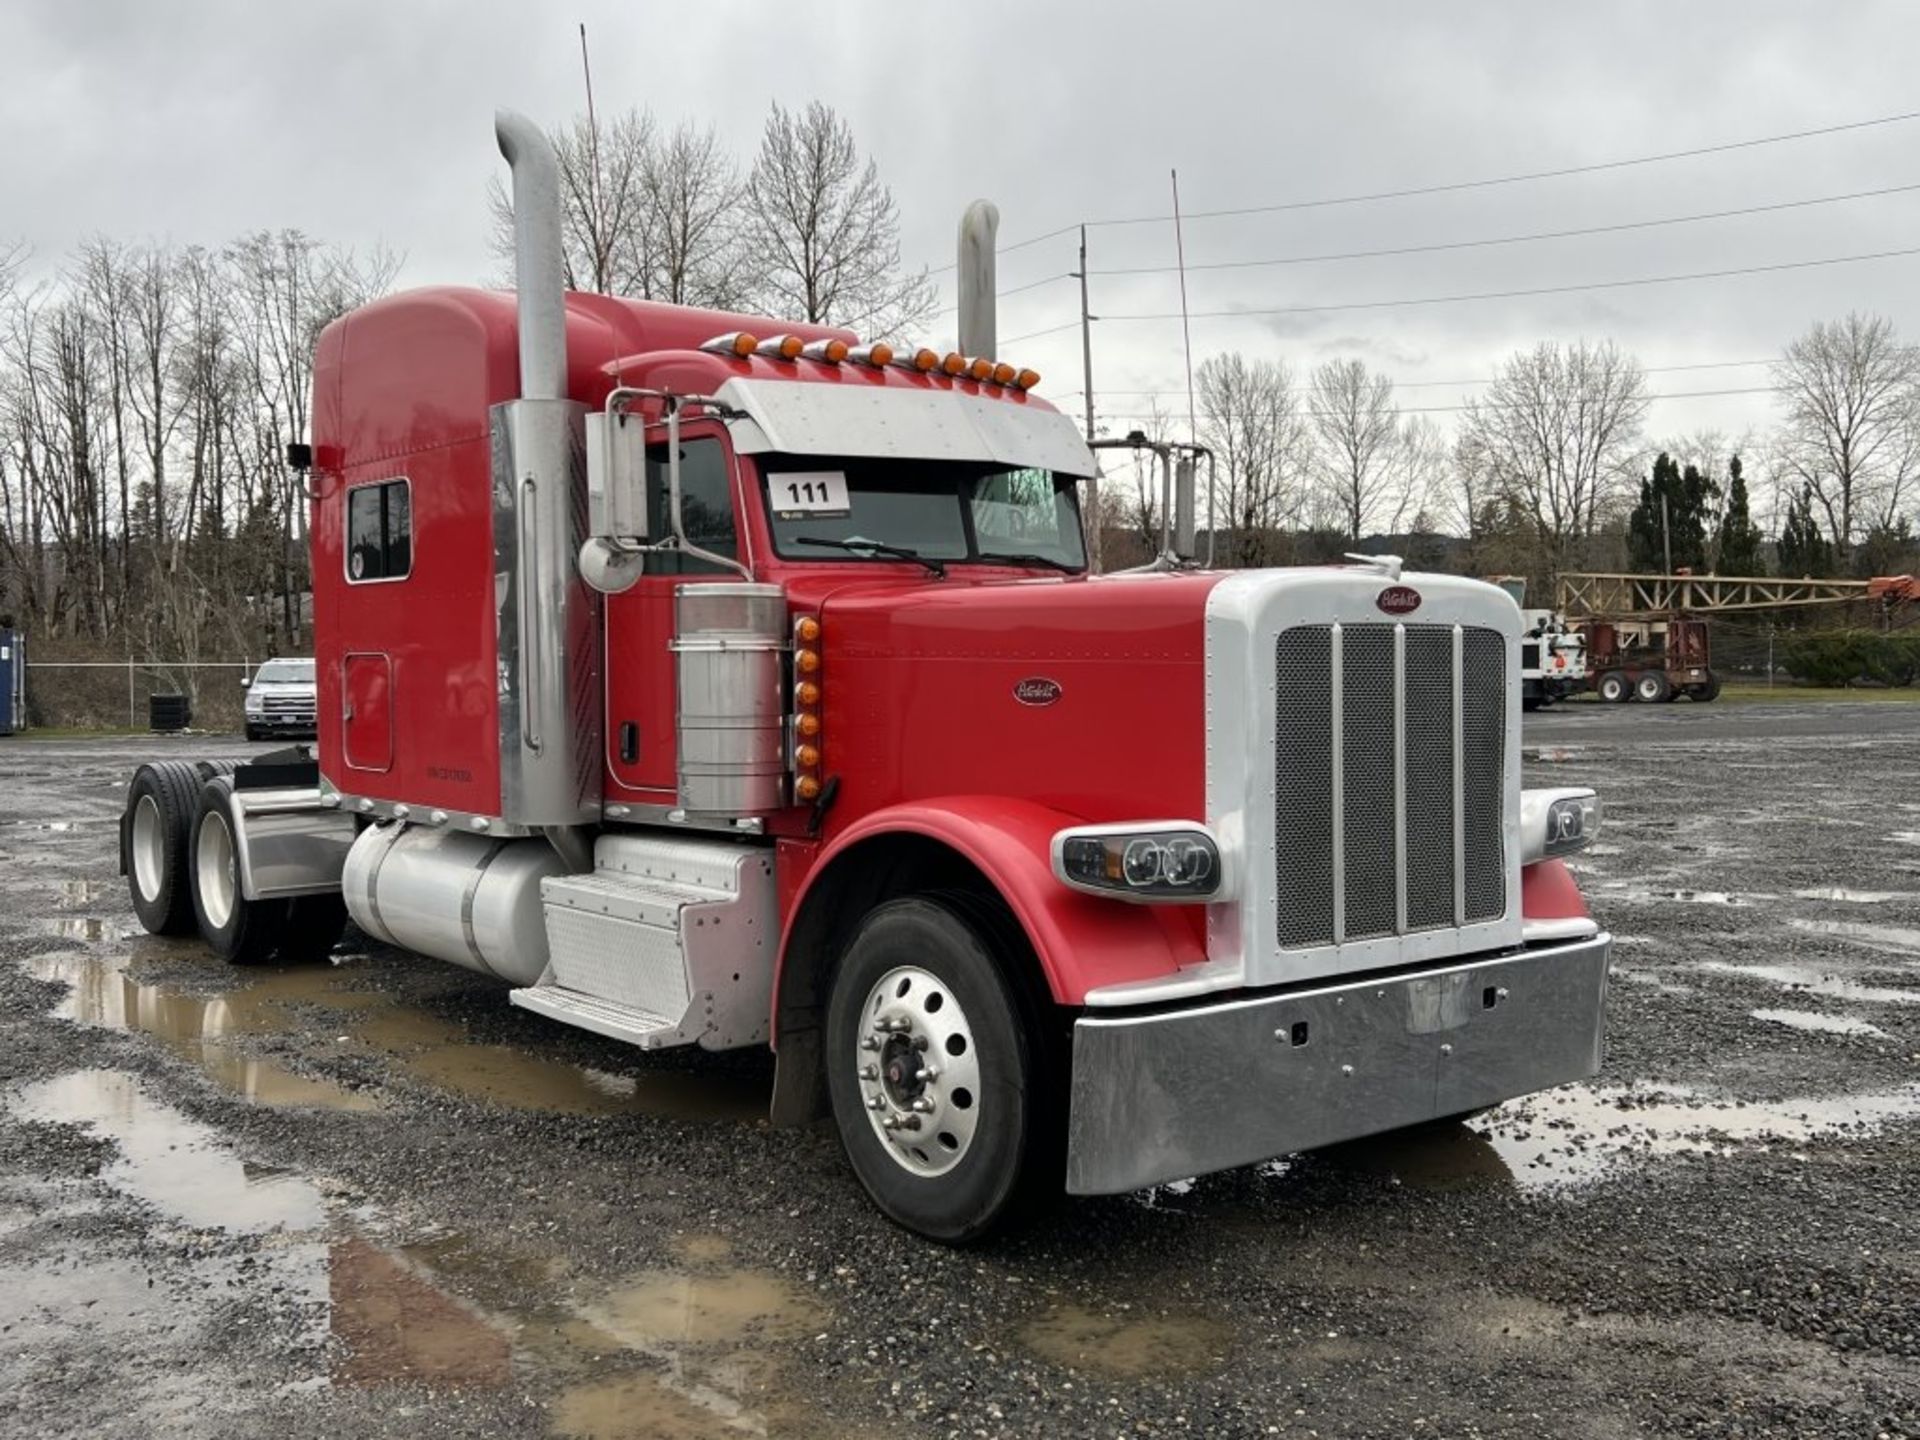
<point>800,493</point>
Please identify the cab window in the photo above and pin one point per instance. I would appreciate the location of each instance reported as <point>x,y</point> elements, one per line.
<point>706,507</point>
<point>379,532</point>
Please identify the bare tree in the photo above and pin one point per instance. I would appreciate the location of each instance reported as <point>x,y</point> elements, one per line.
<point>1357,427</point>
<point>1557,432</point>
<point>1252,420</point>
<point>1416,466</point>
<point>1851,435</point>
<point>603,204</point>
<point>693,252</point>
<point>827,231</point>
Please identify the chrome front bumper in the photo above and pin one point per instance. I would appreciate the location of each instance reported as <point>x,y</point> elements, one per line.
<point>1165,1095</point>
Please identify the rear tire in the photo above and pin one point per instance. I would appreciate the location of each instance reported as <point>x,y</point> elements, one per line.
<point>254,735</point>
<point>161,805</point>
<point>1653,687</point>
<point>1709,691</point>
<point>1613,688</point>
<point>924,985</point>
<point>238,930</point>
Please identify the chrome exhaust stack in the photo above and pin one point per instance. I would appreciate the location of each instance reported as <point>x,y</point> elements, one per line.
<point>979,321</point>
<point>538,271</point>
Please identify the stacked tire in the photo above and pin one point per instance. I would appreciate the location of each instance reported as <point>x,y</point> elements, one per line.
<point>181,859</point>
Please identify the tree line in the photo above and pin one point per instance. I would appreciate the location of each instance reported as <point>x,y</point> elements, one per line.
<point>1551,468</point>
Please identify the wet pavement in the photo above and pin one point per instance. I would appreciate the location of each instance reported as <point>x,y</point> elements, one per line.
<point>370,1198</point>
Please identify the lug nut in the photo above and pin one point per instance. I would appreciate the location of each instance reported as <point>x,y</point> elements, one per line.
<point>923,1105</point>
<point>874,1102</point>
<point>924,1074</point>
<point>869,1043</point>
<point>869,1072</point>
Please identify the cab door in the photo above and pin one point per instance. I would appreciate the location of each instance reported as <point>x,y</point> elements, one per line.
<point>642,758</point>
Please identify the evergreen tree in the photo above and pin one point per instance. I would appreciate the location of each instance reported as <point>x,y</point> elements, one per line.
<point>1672,516</point>
<point>1737,546</point>
<point>1804,550</point>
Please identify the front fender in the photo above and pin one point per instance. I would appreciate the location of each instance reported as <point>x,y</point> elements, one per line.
<point>1082,941</point>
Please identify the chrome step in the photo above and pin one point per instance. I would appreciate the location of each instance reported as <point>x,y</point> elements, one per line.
<point>619,1022</point>
<point>680,933</point>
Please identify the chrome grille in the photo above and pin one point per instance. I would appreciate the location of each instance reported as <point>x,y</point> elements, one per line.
<point>1397,827</point>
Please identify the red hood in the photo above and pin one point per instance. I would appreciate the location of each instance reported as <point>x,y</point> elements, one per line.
<point>1087,695</point>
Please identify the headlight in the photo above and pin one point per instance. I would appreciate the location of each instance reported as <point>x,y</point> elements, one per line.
<point>1151,860</point>
<point>256,704</point>
<point>1556,822</point>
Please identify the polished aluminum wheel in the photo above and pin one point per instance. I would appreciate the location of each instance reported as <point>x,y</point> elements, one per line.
<point>213,870</point>
<point>149,847</point>
<point>919,1071</point>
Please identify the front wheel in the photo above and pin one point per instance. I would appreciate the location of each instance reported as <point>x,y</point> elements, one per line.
<point>937,1071</point>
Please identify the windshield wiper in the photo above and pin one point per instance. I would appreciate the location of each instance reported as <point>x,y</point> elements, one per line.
<point>898,552</point>
<point>1025,557</point>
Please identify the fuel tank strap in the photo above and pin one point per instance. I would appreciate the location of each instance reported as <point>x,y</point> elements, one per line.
<point>389,834</point>
<point>474,877</point>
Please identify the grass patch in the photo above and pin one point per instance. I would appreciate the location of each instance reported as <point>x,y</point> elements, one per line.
<point>1749,692</point>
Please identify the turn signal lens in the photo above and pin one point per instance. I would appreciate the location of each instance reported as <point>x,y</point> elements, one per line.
<point>923,360</point>
<point>807,788</point>
<point>879,355</point>
<point>1003,373</point>
<point>807,693</point>
<point>807,662</point>
<point>785,347</point>
<point>981,369</point>
<point>806,630</point>
<point>955,363</point>
<point>734,342</point>
<point>1027,379</point>
<point>832,352</point>
<point>808,726</point>
<point>807,757</point>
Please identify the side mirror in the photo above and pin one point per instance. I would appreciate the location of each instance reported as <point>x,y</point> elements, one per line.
<point>616,476</point>
<point>245,683</point>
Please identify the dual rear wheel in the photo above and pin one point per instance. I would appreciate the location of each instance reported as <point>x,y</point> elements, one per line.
<point>183,871</point>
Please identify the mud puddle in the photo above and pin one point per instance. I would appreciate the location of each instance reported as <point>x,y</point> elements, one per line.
<point>1127,1346</point>
<point>202,1029</point>
<point>1899,940</point>
<point>206,1029</point>
<point>1817,1023</point>
<point>1578,1134</point>
<point>1634,894</point>
<point>1853,897</point>
<point>1814,981</point>
<point>1553,754</point>
<point>171,1161</point>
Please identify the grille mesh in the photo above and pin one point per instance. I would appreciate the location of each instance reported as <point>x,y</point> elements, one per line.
<point>1434,889</point>
<point>1303,779</point>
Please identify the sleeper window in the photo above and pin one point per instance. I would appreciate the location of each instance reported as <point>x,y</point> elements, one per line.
<point>379,531</point>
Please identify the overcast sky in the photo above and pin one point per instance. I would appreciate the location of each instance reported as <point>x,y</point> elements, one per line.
<point>367,121</point>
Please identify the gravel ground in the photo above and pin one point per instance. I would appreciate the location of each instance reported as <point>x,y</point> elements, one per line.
<point>373,1199</point>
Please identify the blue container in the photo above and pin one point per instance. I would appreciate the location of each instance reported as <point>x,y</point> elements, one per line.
<point>13,682</point>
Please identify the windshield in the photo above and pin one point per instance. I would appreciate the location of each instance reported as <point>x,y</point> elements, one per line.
<point>285,672</point>
<point>955,511</point>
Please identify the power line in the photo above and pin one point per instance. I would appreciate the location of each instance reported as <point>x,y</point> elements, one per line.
<point>1513,239</point>
<point>1482,405</point>
<point>1481,380</point>
<point>1417,300</point>
<point>1482,184</point>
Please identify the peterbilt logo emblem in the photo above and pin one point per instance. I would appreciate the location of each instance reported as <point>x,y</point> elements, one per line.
<point>1398,600</point>
<point>1037,690</point>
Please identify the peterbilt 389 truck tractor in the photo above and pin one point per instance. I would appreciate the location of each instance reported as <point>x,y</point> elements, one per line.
<point>710,680</point>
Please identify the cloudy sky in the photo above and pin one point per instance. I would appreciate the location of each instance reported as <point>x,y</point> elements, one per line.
<point>367,121</point>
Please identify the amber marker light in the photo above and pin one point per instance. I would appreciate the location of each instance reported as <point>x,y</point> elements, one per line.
<point>875,354</point>
<point>806,630</point>
<point>922,360</point>
<point>832,352</point>
<point>1027,379</point>
<point>807,693</point>
<point>807,757</point>
<point>1003,373</point>
<point>807,662</point>
<point>981,369</point>
<point>808,726</point>
<point>955,363</point>
<point>807,788</point>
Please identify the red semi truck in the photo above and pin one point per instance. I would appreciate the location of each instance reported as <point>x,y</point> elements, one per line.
<point>716,681</point>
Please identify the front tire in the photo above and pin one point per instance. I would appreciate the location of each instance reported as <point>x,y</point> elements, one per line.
<point>239,930</point>
<point>937,1071</point>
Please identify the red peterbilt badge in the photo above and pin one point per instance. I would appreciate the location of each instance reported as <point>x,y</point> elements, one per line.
<point>1398,600</point>
<point>1037,690</point>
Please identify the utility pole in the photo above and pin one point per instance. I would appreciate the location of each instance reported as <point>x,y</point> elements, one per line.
<point>1666,535</point>
<point>1086,381</point>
